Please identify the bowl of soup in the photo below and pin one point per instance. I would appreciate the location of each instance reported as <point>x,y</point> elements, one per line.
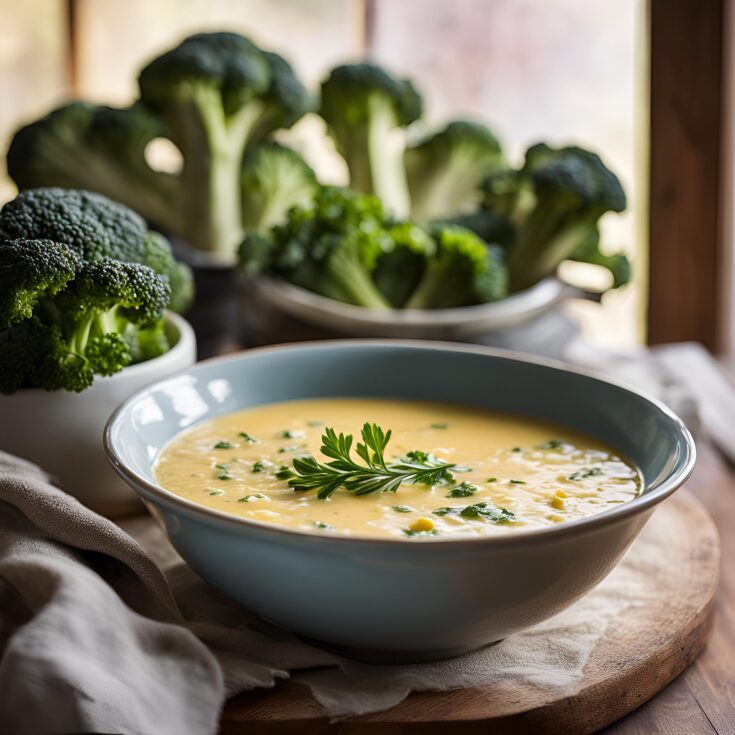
<point>398,501</point>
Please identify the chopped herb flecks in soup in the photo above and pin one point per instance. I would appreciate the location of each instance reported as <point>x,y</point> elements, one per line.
<point>391,468</point>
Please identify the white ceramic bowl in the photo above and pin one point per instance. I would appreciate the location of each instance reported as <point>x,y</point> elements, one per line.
<point>276,311</point>
<point>392,599</point>
<point>62,431</point>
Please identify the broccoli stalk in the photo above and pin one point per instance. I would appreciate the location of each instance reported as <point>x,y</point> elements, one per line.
<point>274,179</point>
<point>347,278</point>
<point>464,271</point>
<point>83,289</point>
<point>216,94</point>
<point>367,111</point>
<point>84,146</point>
<point>446,169</point>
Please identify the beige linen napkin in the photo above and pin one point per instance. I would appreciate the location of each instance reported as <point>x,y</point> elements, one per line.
<point>105,633</point>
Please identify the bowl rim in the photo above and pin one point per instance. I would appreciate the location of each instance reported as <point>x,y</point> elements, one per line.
<point>639,504</point>
<point>510,308</point>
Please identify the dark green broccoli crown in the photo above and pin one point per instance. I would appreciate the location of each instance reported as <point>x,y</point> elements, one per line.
<point>30,269</point>
<point>462,133</point>
<point>286,94</point>
<point>33,354</point>
<point>140,294</point>
<point>92,225</point>
<point>348,89</point>
<point>577,175</point>
<point>25,158</point>
<point>227,62</point>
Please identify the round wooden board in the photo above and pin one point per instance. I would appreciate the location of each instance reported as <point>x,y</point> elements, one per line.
<point>640,653</point>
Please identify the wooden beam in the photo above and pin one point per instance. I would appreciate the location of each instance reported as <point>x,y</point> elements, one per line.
<point>685,141</point>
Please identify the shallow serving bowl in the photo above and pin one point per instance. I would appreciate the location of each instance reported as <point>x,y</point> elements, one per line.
<point>398,600</point>
<point>274,311</point>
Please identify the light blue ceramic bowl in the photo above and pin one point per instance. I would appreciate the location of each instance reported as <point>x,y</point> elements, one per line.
<point>394,599</point>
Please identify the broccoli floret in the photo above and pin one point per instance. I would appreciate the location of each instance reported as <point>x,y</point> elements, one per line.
<point>85,146</point>
<point>446,169</point>
<point>147,342</point>
<point>274,180</point>
<point>216,93</point>
<point>29,271</point>
<point>400,268</point>
<point>464,271</point>
<point>367,111</point>
<point>94,227</point>
<point>34,354</point>
<point>76,297</point>
<point>331,249</point>
<point>553,201</point>
<point>159,257</point>
<point>101,308</point>
<point>286,99</point>
<point>618,264</point>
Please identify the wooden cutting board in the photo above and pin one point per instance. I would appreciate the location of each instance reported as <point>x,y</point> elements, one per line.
<point>640,653</point>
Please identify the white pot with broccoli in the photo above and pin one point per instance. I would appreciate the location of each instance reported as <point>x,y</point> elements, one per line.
<point>86,299</point>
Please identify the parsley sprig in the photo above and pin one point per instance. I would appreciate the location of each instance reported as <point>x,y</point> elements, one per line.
<point>375,476</point>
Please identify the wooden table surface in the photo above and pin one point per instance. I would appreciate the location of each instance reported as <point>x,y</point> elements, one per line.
<point>701,701</point>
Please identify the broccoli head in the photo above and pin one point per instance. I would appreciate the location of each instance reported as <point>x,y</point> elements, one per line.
<point>94,227</point>
<point>446,169</point>
<point>212,96</point>
<point>274,179</point>
<point>464,271</point>
<point>554,202</point>
<point>29,271</point>
<point>367,111</point>
<point>331,248</point>
<point>79,291</point>
<point>85,146</point>
<point>216,93</point>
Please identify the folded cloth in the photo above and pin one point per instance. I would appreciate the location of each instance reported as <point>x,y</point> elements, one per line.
<point>92,636</point>
<point>100,632</point>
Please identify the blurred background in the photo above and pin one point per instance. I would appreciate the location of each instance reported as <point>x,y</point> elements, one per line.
<point>646,84</point>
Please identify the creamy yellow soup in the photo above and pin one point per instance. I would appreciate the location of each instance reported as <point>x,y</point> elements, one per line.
<point>509,472</point>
